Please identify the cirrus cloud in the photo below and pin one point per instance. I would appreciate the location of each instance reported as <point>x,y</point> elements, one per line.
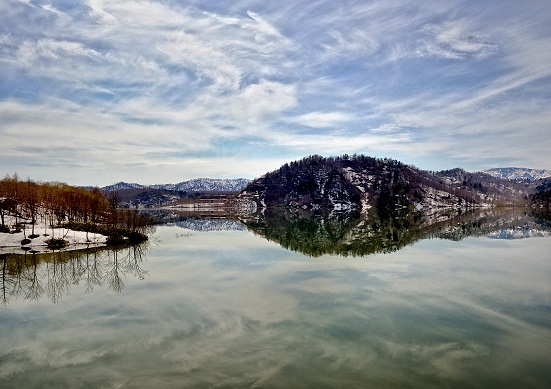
<point>144,86</point>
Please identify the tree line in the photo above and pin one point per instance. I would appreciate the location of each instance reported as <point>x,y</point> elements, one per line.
<point>61,205</point>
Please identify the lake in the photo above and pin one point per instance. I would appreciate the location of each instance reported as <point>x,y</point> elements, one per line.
<point>287,301</point>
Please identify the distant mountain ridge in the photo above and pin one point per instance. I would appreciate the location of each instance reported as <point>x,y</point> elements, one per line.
<point>194,185</point>
<point>237,184</point>
<point>122,186</point>
<point>356,182</point>
<point>518,173</point>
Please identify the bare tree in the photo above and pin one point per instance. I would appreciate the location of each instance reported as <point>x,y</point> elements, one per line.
<point>32,202</point>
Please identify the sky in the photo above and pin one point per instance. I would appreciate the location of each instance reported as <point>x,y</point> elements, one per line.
<point>93,92</point>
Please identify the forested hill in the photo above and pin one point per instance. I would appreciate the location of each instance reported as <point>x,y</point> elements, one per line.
<point>358,181</point>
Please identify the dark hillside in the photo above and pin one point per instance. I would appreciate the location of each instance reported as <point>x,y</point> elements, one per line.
<point>311,182</point>
<point>542,196</point>
<point>361,182</point>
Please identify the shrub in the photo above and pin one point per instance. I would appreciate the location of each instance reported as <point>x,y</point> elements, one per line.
<point>56,243</point>
<point>136,237</point>
<point>116,239</point>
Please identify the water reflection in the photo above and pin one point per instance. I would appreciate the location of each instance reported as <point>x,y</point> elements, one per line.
<point>229,309</point>
<point>356,234</point>
<point>32,275</point>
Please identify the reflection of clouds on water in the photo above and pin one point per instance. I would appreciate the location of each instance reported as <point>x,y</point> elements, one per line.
<point>230,309</point>
<point>444,360</point>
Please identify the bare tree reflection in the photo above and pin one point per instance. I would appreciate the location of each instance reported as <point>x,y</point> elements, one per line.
<point>31,275</point>
<point>15,269</point>
<point>57,278</point>
<point>134,258</point>
<point>5,281</point>
<point>34,287</point>
<point>125,261</point>
<point>93,271</point>
<point>113,275</point>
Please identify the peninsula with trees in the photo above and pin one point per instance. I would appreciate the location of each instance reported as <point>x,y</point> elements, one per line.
<point>36,215</point>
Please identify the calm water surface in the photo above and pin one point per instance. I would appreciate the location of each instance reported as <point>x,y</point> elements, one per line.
<point>232,309</point>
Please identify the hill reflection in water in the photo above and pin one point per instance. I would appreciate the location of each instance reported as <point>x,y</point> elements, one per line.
<point>31,276</point>
<point>355,234</point>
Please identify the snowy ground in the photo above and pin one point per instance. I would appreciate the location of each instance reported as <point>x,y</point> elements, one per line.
<point>11,243</point>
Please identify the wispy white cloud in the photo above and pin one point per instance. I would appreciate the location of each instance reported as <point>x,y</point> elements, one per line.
<point>30,52</point>
<point>99,15</point>
<point>454,40</point>
<point>175,82</point>
<point>323,119</point>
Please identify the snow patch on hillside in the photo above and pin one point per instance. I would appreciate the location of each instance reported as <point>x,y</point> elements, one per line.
<point>518,173</point>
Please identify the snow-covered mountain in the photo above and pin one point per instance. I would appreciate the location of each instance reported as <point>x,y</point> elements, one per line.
<point>518,173</point>
<point>121,186</point>
<point>195,185</point>
<point>207,185</point>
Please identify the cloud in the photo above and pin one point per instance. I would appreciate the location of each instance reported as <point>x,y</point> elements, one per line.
<point>322,119</point>
<point>99,15</point>
<point>455,40</point>
<point>29,52</point>
<point>265,29</point>
<point>169,82</point>
<point>370,141</point>
<point>262,100</point>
